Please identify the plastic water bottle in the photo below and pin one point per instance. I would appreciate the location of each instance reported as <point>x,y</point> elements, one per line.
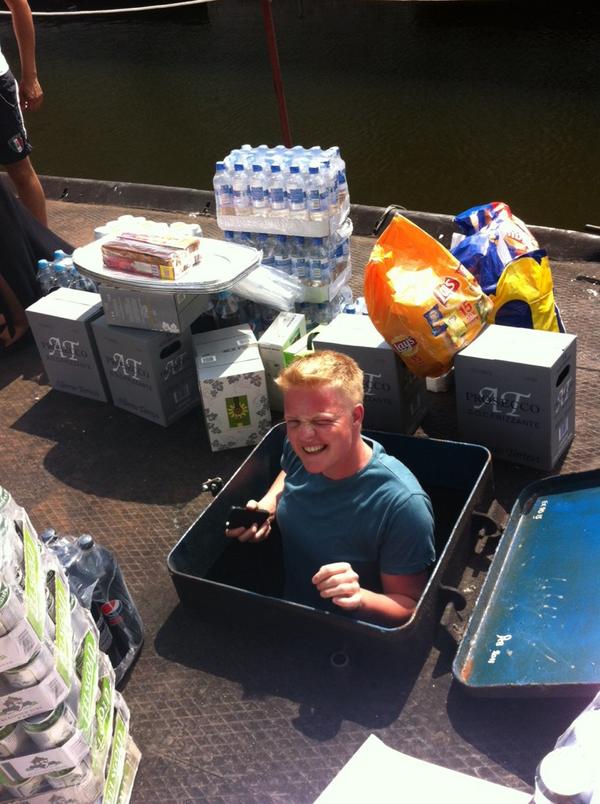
<point>227,309</point>
<point>223,190</point>
<point>80,282</point>
<point>239,183</point>
<point>296,193</point>
<point>45,277</point>
<point>317,195</point>
<point>332,185</point>
<point>267,246</point>
<point>281,255</point>
<point>319,263</point>
<point>61,275</point>
<point>298,258</point>
<point>261,242</point>
<point>246,239</point>
<point>341,178</point>
<point>277,194</point>
<point>258,190</point>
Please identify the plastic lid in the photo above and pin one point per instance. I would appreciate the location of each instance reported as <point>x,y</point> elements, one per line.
<point>313,169</point>
<point>294,169</point>
<point>42,264</point>
<point>238,166</point>
<point>220,165</point>
<point>85,541</point>
<point>565,772</point>
<point>59,254</point>
<point>275,168</point>
<point>257,167</point>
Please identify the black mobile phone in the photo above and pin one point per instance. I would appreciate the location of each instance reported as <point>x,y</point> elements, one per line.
<point>241,517</point>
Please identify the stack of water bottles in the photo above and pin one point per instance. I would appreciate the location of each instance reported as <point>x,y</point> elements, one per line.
<point>293,205</point>
<point>60,272</point>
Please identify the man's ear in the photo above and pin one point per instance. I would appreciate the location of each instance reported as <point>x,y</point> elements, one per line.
<point>358,414</point>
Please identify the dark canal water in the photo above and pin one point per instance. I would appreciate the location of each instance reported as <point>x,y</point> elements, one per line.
<point>436,107</point>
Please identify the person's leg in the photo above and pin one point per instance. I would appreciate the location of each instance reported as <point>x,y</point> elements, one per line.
<point>15,149</point>
<point>29,188</point>
<point>13,319</point>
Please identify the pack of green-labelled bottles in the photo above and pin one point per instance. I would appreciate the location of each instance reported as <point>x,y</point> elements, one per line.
<point>58,703</point>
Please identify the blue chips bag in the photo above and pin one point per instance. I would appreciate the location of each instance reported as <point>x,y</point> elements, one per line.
<point>505,258</point>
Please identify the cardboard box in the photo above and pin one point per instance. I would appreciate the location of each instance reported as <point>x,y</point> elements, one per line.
<point>233,387</point>
<point>301,347</point>
<point>515,393</point>
<point>141,309</point>
<point>61,325</point>
<point>285,330</point>
<point>395,399</point>
<point>149,373</point>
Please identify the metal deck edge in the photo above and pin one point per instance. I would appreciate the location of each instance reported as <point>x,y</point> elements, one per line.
<point>561,244</point>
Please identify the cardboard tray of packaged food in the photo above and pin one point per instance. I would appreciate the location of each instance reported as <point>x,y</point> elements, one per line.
<point>212,572</point>
<point>222,264</point>
<point>534,628</point>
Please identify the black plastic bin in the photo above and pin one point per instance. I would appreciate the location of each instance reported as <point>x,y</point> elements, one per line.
<point>213,573</point>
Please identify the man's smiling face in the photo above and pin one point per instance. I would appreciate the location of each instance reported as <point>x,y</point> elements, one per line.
<point>323,427</point>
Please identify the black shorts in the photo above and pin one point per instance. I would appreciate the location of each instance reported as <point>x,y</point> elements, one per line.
<point>14,144</point>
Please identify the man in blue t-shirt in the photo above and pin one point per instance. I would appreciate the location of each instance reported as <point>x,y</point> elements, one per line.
<point>356,526</point>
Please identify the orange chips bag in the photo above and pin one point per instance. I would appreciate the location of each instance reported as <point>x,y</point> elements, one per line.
<point>424,303</point>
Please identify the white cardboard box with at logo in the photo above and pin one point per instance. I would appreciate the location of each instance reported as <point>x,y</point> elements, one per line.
<point>515,393</point>
<point>61,323</point>
<point>149,373</point>
<point>232,382</point>
<point>395,399</point>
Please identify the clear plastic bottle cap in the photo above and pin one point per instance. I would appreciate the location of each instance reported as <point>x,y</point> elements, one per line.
<point>85,541</point>
<point>565,772</point>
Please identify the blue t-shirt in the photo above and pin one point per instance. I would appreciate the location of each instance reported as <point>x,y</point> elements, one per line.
<point>378,520</point>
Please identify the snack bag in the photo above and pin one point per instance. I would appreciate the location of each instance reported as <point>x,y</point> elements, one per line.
<point>420,298</point>
<point>493,238</point>
<point>504,257</point>
<point>524,295</point>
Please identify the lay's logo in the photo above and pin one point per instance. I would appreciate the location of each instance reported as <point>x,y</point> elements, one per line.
<point>406,346</point>
<point>444,291</point>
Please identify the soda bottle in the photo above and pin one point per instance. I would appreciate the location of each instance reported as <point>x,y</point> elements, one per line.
<point>96,579</point>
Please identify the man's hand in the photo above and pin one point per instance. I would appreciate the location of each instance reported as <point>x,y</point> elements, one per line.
<point>31,94</point>
<point>253,533</point>
<point>339,583</point>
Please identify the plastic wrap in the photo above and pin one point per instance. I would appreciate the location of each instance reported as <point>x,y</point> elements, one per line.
<point>269,286</point>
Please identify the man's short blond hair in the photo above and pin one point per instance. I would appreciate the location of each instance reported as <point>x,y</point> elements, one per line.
<point>325,369</point>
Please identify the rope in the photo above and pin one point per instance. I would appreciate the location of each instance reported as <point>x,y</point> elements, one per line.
<point>77,13</point>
